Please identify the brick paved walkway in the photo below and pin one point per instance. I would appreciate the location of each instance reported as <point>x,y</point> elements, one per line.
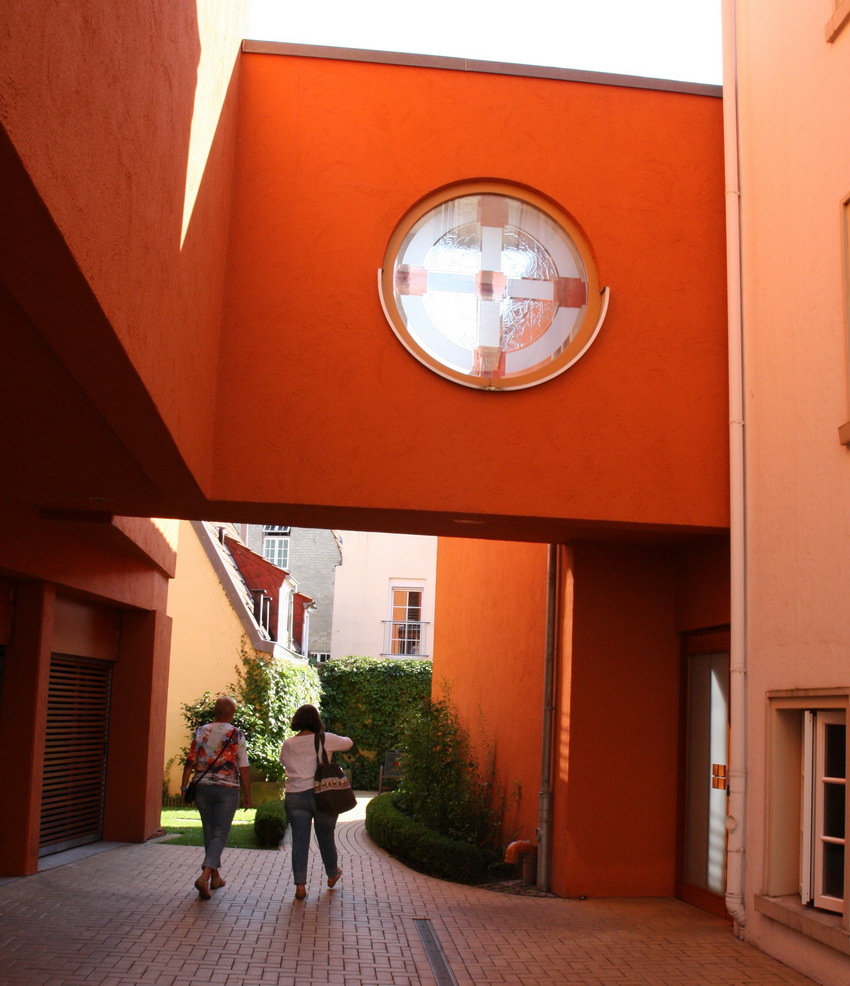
<point>130,917</point>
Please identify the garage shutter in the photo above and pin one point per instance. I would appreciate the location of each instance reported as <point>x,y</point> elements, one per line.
<point>75,753</point>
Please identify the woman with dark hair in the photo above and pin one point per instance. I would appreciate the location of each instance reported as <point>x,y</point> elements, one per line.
<point>298,756</point>
<point>220,763</point>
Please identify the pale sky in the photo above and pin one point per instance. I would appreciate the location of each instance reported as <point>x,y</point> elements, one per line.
<point>664,39</point>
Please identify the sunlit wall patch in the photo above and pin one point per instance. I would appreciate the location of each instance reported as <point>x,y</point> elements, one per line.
<point>491,285</point>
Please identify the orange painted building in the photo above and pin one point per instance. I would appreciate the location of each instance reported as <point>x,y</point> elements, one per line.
<point>308,234</point>
<point>192,328</point>
<point>627,622</point>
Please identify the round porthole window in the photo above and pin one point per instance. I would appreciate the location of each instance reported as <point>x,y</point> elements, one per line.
<point>491,285</point>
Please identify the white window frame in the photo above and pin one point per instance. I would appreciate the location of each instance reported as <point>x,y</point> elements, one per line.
<point>276,550</point>
<point>779,896</point>
<point>391,638</point>
<point>816,841</point>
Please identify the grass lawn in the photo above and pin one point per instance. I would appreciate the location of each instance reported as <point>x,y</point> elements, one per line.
<point>186,823</point>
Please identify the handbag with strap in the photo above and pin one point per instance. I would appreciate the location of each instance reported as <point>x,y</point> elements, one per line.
<point>331,787</point>
<point>189,793</point>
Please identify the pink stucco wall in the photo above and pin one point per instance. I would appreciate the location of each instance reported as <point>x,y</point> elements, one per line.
<point>794,149</point>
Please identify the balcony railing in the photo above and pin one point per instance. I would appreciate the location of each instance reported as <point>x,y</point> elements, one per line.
<point>405,638</point>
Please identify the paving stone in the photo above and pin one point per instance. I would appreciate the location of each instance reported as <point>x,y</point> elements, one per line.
<point>129,916</point>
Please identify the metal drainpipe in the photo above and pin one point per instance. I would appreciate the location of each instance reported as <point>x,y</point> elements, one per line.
<point>736,818</point>
<point>545,797</point>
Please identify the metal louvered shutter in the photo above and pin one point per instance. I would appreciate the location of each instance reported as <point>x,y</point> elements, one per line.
<point>75,753</point>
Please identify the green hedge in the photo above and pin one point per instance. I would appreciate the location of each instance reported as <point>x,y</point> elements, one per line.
<point>367,699</point>
<point>421,848</point>
<point>270,824</point>
<point>362,697</point>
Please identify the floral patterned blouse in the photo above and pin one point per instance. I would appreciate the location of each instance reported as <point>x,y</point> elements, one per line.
<point>206,744</point>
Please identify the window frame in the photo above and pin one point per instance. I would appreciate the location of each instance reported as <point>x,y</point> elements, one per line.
<point>815,838</point>
<point>409,330</point>
<point>393,626</point>
<point>277,541</point>
<point>780,898</point>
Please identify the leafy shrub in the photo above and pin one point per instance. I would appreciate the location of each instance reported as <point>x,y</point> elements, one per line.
<point>271,690</point>
<point>392,830</point>
<point>417,846</point>
<point>362,697</point>
<point>458,861</point>
<point>270,823</point>
<point>368,698</point>
<point>441,785</point>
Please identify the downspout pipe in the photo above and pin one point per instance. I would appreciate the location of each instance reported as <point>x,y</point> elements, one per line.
<point>544,816</point>
<point>736,828</point>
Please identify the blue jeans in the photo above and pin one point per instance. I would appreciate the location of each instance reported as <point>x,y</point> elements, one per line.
<point>301,812</point>
<point>217,805</point>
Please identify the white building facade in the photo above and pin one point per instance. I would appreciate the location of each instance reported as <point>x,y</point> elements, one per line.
<point>384,596</point>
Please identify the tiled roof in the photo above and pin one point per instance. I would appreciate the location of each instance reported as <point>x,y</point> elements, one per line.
<point>247,573</point>
<point>218,534</point>
<point>258,574</point>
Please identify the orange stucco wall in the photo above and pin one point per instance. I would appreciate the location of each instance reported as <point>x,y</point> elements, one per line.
<point>616,745</point>
<point>219,342</point>
<point>616,788</point>
<point>101,557</point>
<point>489,639</point>
<point>181,234</point>
<point>95,589</point>
<point>23,714</point>
<point>123,117</point>
<point>331,154</point>
<point>132,804</point>
<point>702,584</point>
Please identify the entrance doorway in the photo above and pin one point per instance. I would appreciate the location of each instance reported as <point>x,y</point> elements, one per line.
<point>75,753</point>
<point>706,782</point>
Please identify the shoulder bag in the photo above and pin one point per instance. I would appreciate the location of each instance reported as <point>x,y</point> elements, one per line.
<point>330,785</point>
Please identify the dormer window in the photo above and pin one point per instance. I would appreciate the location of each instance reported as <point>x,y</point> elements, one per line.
<point>276,545</point>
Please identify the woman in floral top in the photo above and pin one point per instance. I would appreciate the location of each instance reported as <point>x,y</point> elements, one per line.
<point>218,753</point>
